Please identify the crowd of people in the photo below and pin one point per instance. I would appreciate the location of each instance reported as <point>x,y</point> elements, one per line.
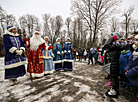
<point>120,54</point>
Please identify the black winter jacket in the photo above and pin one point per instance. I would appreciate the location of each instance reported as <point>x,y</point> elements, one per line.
<point>113,50</point>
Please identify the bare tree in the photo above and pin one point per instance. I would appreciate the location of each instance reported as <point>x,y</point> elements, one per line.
<point>114,24</point>
<point>29,22</point>
<point>94,12</point>
<point>68,24</point>
<point>127,15</point>
<point>133,26</point>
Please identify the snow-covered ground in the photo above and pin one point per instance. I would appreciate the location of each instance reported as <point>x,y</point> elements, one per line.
<point>85,84</point>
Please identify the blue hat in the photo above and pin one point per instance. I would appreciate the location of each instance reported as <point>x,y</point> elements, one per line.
<point>94,48</point>
<point>68,38</point>
<point>10,28</point>
<point>91,49</point>
<point>57,38</point>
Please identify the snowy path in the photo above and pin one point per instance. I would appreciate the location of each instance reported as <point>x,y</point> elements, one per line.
<point>85,84</point>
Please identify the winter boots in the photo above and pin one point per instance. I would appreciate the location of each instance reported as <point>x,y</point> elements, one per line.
<point>112,93</point>
<point>13,82</point>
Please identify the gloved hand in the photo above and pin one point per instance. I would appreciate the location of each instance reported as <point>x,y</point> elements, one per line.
<point>126,72</point>
<point>19,52</point>
<point>50,47</point>
<point>69,51</point>
<point>65,51</point>
<point>58,53</point>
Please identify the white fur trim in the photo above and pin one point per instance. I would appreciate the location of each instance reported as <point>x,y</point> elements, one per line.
<point>62,52</point>
<point>15,65</point>
<point>9,33</point>
<point>135,53</point>
<point>37,32</point>
<point>67,42</point>
<point>57,39</point>
<point>22,48</point>
<point>11,28</point>
<point>59,61</point>
<point>136,37</point>
<point>47,57</point>
<point>58,42</point>
<point>67,60</point>
<point>35,75</point>
<point>12,49</point>
<point>46,37</point>
<point>47,48</point>
<point>49,72</point>
<point>27,43</point>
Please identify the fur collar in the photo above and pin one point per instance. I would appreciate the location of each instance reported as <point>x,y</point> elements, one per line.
<point>67,42</point>
<point>10,33</point>
<point>58,42</point>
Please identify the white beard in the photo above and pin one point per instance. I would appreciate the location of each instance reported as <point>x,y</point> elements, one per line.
<point>35,41</point>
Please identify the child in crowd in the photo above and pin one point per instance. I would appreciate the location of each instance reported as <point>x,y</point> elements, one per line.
<point>123,61</point>
<point>114,48</point>
<point>131,70</point>
<point>90,56</point>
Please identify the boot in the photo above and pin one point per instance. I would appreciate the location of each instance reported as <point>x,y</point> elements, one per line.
<point>11,82</point>
<point>15,81</point>
<point>112,93</point>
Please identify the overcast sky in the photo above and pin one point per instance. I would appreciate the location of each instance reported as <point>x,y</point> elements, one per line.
<point>53,7</point>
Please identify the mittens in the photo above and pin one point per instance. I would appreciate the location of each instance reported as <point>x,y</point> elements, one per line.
<point>65,51</point>
<point>19,52</point>
<point>69,51</point>
<point>50,47</point>
<point>58,52</point>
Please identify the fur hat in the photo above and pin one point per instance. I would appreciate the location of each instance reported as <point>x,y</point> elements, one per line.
<point>57,38</point>
<point>46,37</point>
<point>37,31</point>
<point>68,38</point>
<point>10,28</point>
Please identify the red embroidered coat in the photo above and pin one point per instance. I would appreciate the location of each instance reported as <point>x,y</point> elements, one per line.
<point>36,61</point>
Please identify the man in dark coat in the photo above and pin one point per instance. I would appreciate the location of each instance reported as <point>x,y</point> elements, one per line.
<point>114,48</point>
<point>80,52</point>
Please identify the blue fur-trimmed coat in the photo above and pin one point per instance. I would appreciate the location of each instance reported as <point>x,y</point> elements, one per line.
<point>57,57</point>
<point>132,68</point>
<point>67,48</point>
<point>11,43</point>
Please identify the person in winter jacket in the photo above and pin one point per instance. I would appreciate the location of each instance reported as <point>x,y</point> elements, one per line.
<point>114,47</point>
<point>14,55</point>
<point>95,55</point>
<point>80,52</point>
<point>131,70</point>
<point>123,61</point>
<point>74,50</point>
<point>90,56</point>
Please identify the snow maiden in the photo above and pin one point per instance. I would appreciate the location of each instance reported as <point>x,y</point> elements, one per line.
<point>14,55</point>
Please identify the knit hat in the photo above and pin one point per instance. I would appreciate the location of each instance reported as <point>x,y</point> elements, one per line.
<point>46,37</point>
<point>136,37</point>
<point>57,38</point>
<point>118,34</point>
<point>91,49</point>
<point>68,38</point>
<point>37,31</point>
<point>10,28</point>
